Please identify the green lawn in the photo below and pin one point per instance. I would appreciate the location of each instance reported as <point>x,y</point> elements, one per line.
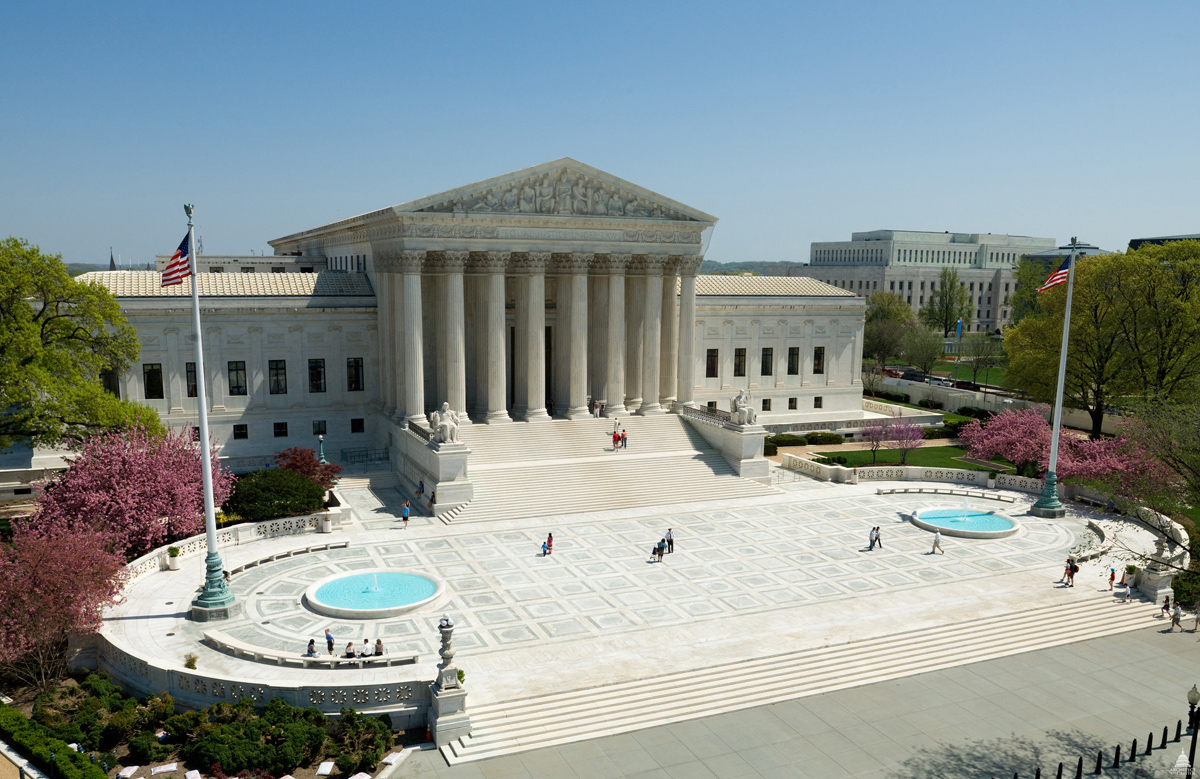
<point>925,457</point>
<point>993,376</point>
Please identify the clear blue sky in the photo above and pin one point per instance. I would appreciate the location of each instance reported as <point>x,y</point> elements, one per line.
<point>792,122</point>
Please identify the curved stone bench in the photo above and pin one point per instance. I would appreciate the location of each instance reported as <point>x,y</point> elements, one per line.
<point>943,491</point>
<point>223,642</point>
<point>292,553</point>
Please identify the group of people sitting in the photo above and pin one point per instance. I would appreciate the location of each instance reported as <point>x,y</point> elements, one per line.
<point>352,651</point>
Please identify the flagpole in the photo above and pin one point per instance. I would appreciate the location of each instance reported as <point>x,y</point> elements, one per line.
<point>215,601</point>
<point>1048,505</point>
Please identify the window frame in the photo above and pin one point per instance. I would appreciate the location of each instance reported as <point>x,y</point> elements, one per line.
<point>233,370</point>
<point>320,427</point>
<point>189,372</point>
<point>793,366</point>
<point>318,385</point>
<point>355,374</point>
<point>244,431</point>
<point>739,362</point>
<point>152,369</point>
<point>276,427</point>
<point>766,365</point>
<point>818,361</point>
<point>360,423</point>
<point>277,377</point>
<point>712,364</point>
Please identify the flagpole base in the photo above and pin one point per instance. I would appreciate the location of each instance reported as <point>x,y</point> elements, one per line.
<point>215,601</point>
<point>1048,506</point>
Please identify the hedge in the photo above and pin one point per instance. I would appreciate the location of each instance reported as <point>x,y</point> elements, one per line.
<point>769,448</point>
<point>928,403</point>
<point>787,439</point>
<point>275,492</point>
<point>35,742</point>
<point>895,397</point>
<point>825,439</point>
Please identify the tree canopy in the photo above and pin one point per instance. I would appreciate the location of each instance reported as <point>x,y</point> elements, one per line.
<point>887,318</point>
<point>1029,276</point>
<point>947,304</point>
<point>56,337</point>
<point>923,347</point>
<point>1135,332</point>
<point>980,351</point>
<point>887,306</point>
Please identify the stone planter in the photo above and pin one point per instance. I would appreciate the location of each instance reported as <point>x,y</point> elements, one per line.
<point>326,524</point>
<point>172,563</point>
<point>991,484</point>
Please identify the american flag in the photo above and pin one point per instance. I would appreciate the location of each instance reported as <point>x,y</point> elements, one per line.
<point>1059,276</point>
<point>179,266</point>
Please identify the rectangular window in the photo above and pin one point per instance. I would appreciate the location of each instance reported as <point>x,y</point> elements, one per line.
<point>277,372</point>
<point>216,269</point>
<point>240,432</point>
<point>922,300</point>
<point>190,370</point>
<point>306,269</point>
<point>111,382</point>
<point>152,381</point>
<point>711,405</point>
<point>278,269</point>
<point>817,401</point>
<point>922,286</point>
<point>766,406</point>
<point>354,374</point>
<point>247,270</point>
<point>892,288</point>
<point>910,300</point>
<point>768,360</point>
<point>316,375</point>
<point>909,286</point>
<point>281,429</point>
<point>792,404</point>
<point>739,362</point>
<point>318,427</point>
<point>818,360</point>
<point>793,361</point>
<point>237,377</point>
<point>710,363</point>
<point>358,425</point>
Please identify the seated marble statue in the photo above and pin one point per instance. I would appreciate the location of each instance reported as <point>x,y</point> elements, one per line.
<point>740,410</point>
<point>444,424</point>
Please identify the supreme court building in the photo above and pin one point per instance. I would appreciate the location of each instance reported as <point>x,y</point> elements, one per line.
<point>540,293</point>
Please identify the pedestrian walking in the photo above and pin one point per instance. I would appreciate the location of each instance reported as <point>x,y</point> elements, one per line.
<point>1166,607</point>
<point>404,512</point>
<point>879,536</point>
<point>543,549</point>
<point>624,440</point>
<point>1126,593</point>
<point>871,540</point>
<point>1112,577</point>
<point>616,440</point>
<point>1066,572</point>
<point>1072,569</point>
<point>432,501</point>
<point>937,542</point>
<point>1176,618</point>
<point>550,543</point>
<point>662,548</point>
<point>670,542</point>
<point>421,488</point>
<point>329,640</point>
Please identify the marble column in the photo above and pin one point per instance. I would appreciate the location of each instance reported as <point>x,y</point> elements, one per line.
<point>668,351</point>
<point>651,335</point>
<point>615,393</point>
<point>531,310</point>
<point>414,338</point>
<point>686,381</point>
<point>598,330</point>
<point>384,314</point>
<point>454,327</point>
<point>497,339</point>
<point>576,279</point>
<point>396,361</point>
<point>635,313</point>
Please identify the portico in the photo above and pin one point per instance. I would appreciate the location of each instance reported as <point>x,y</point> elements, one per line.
<point>535,294</point>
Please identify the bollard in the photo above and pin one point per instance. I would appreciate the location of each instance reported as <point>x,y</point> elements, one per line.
<point>1099,762</point>
<point>1117,757</point>
<point>1079,768</point>
<point>1149,742</point>
<point>1132,752</point>
<point>1060,770</point>
<point>1178,729</point>
<point>1037,774</point>
<point>1164,739</point>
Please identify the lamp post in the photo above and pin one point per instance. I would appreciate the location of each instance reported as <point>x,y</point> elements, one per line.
<point>321,450</point>
<point>1193,698</point>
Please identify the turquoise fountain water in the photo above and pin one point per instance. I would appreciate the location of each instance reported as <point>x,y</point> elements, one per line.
<point>371,591</point>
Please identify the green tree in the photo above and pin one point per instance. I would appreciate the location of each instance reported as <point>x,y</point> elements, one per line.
<point>1098,371</point>
<point>1024,300</point>
<point>887,306</point>
<point>980,351</point>
<point>923,347</point>
<point>947,304</point>
<point>56,337</point>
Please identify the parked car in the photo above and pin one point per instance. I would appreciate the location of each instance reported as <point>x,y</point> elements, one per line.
<point>892,373</point>
<point>967,385</point>
<point>913,376</point>
<point>941,381</point>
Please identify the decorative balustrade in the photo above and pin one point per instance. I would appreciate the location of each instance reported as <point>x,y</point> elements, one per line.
<point>712,416</point>
<point>420,432</point>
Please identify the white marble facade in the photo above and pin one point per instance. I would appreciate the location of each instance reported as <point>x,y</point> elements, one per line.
<point>547,290</point>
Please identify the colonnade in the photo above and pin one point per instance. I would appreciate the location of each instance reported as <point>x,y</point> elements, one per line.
<point>618,337</point>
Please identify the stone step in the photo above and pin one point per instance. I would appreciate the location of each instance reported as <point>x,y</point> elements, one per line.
<point>559,439</point>
<point>533,723</point>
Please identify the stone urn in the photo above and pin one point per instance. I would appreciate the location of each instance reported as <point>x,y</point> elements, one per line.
<point>326,524</point>
<point>173,558</point>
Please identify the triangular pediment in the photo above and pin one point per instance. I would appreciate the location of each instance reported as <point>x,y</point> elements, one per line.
<point>563,187</point>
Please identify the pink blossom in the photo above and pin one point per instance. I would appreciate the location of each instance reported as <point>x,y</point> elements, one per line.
<point>907,436</point>
<point>1021,437</point>
<point>136,489</point>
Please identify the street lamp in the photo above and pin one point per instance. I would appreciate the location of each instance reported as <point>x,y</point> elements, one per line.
<point>1193,698</point>
<point>321,449</point>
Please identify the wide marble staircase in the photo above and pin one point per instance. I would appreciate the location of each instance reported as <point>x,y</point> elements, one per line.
<point>560,718</point>
<point>552,468</point>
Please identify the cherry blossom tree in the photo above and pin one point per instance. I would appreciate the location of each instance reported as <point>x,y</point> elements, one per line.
<point>1021,437</point>
<point>907,437</point>
<point>304,462</point>
<point>52,585</point>
<point>136,488</point>
<point>876,434</point>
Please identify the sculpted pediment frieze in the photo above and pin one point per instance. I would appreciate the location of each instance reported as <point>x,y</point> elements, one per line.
<point>562,192</point>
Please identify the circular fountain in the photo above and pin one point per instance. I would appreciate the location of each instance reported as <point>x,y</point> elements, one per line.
<point>373,594</point>
<point>965,522</point>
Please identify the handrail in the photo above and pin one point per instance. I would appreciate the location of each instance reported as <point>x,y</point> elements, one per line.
<point>420,432</point>
<point>713,416</point>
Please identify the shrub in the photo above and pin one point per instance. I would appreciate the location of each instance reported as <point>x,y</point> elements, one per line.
<point>1187,587</point>
<point>769,448</point>
<point>361,741</point>
<point>236,741</point>
<point>189,660</point>
<point>788,439</point>
<point>304,462</point>
<point>930,403</point>
<point>825,439</point>
<point>895,397</point>
<point>145,748</point>
<point>974,411</point>
<point>275,492</point>
<point>35,742</point>
<point>836,459</point>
